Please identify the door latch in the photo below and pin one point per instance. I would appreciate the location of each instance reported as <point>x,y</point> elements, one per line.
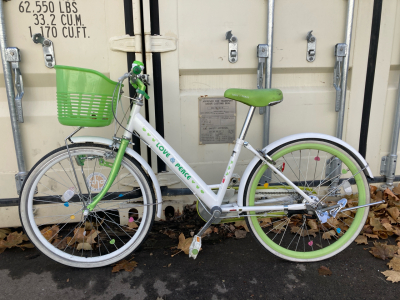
<point>12,55</point>
<point>232,47</point>
<point>340,53</point>
<point>48,49</point>
<point>262,54</point>
<point>311,47</point>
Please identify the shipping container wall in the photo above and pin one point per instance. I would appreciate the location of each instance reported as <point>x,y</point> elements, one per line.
<point>200,68</point>
<point>82,33</point>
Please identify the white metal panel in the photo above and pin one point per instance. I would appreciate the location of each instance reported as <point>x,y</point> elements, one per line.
<point>97,20</point>
<point>201,67</point>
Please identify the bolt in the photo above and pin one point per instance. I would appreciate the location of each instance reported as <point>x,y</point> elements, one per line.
<point>312,39</point>
<point>46,43</point>
<point>311,58</point>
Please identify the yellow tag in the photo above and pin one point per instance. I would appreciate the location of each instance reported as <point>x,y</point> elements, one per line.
<point>72,217</point>
<point>266,184</point>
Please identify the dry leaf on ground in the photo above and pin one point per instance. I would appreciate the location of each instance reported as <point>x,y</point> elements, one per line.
<point>242,223</point>
<point>324,271</point>
<point>51,232</point>
<point>372,236</point>
<point>396,189</point>
<point>392,276</point>
<point>361,240</point>
<point>184,244</point>
<point>394,264</point>
<point>124,265</point>
<point>390,193</point>
<point>383,251</point>
<point>327,235</point>
<point>240,234</point>
<point>394,212</point>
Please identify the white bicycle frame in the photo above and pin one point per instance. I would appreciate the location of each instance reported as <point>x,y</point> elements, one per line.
<point>188,176</point>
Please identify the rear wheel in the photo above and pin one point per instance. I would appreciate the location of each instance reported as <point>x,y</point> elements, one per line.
<point>52,208</point>
<point>322,170</point>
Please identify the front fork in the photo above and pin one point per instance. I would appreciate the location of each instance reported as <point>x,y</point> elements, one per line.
<point>113,174</point>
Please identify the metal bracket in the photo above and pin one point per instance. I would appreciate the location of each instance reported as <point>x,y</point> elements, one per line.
<point>12,55</point>
<point>154,43</point>
<point>262,54</point>
<point>388,167</point>
<point>232,47</point>
<point>19,181</point>
<point>311,46</point>
<point>340,53</point>
<point>48,49</point>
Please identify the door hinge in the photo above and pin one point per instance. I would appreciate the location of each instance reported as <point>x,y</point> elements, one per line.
<point>154,43</point>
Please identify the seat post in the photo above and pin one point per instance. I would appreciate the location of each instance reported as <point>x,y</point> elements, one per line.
<point>247,123</point>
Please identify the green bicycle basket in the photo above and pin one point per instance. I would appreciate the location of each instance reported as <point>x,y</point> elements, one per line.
<point>84,97</point>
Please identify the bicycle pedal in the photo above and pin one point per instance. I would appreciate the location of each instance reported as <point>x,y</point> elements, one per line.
<point>195,247</point>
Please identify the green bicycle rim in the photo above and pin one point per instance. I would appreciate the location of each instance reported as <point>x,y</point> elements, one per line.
<point>349,233</point>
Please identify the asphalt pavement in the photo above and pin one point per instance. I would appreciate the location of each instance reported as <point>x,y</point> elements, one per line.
<point>226,269</point>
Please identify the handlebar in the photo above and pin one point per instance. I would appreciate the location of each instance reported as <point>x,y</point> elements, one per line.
<point>137,80</point>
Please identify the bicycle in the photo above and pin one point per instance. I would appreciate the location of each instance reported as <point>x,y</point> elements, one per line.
<point>91,203</point>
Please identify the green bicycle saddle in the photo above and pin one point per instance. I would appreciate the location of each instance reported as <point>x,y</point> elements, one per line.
<point>257,97</point>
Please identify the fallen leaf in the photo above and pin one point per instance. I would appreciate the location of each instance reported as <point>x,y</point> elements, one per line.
<point>361,240</point>
<point>50,232</point>
<point>394,264</point>
<point>378,196</point>
<point>60,244</point>
<point>382,235</point>
<point>89,225</point>
<point>394,212</point>
<point>396,189</point>
<point>132,225</point>
<point>243,224</point>
<point>313,224</point>
<point>169,265</point>
<point>240,234</point>
<point>383,251</point>
<point>388,226</point>
<point>303,232</point>
<point>68,280</point>
<point>84,246</point>
<point>124,265</point>
<point>389,192</point>
<point>91,236</point>
<point>184,243</point>
<point>392,276</point>
<point>215,230</point>
<point>324,271</point>
<point>265,222</point>
<point>376,223</point>
<point>372,236</point>
<point>27,245</point>
<point>327,235</point>
<point>13,239</point>
<point>373,189</point>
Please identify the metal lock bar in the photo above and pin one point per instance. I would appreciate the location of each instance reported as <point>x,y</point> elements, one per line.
<point>48,50</point>
<point>13,56</point>
<point>311,46</point>
<point>262,54</point>
<point>340,53</point>
<point>232,47</point>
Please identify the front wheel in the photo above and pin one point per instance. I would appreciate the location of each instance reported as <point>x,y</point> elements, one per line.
<point>322,170</point>
<point>57,191</point>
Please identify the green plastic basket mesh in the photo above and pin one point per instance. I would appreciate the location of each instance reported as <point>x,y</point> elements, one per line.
<point>84,97</point>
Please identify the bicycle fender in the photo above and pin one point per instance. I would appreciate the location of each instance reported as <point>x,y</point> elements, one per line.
<point>298,137</point>
<point>130,152</point>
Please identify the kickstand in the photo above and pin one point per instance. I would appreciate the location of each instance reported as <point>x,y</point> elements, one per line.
<point>196,243</point>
